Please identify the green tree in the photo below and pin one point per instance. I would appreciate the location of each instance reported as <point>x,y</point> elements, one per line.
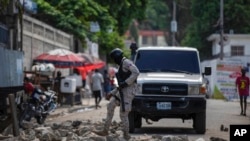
<point>205,15</point>
<point>74,16</point>
<point>3,5</point>
<point>133,30</point>
<point>157,16</point>
<point>124,11</point>
<point>183,17</point>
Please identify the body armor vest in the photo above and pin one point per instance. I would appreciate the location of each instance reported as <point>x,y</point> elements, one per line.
<point>123,75</point>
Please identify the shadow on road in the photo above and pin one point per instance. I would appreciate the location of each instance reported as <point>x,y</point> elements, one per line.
<point>164,130</point>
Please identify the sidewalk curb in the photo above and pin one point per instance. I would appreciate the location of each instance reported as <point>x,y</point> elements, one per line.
<point>66,108</point>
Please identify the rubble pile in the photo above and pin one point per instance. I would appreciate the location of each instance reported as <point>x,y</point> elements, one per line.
<point>78,131</point>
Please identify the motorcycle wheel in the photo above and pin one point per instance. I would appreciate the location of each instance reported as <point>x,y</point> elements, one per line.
<point>40,119</point>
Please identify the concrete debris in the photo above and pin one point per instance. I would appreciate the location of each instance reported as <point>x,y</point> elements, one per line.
<point>200,139</point>
<point>80,131</point>
<point>217,139</point>
<point>174,138</point>
<point>223,128</point>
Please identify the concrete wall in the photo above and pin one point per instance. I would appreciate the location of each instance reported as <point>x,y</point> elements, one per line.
<point>39,38</point>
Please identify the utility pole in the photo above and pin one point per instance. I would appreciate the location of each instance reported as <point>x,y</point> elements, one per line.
<point>221,30</point>
<point>174,23</point>
<point>21,25</point>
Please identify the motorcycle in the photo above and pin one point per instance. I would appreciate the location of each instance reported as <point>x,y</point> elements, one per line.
<point>39,106</point>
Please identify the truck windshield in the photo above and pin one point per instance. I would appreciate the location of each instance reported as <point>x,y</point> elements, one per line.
<point>168,61</point>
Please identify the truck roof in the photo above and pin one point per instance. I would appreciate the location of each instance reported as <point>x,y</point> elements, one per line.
<point>168,48</point>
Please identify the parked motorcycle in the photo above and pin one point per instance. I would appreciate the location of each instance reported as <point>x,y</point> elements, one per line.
<point>39,106</point>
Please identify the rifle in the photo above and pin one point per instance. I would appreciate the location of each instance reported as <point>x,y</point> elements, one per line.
<point>120,91</point>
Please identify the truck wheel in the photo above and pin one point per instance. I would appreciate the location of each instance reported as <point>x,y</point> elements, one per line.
<point>138,121</point>
<point>131,118</point>
<point>199,123</point>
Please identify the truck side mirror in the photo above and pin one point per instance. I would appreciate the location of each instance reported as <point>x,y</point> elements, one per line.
<point>208,71</point>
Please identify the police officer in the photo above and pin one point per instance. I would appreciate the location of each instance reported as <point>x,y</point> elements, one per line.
<point>129,73</point>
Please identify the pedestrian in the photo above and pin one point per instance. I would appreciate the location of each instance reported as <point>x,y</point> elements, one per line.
<point>28,86</point>
<point>129,73</point>
<point>57,86</point>
<point>83,72</point>
<point>133,47</point>
<point>88,92</point>
<point>242,87</point>
<point>97,82</point>
<point>107,83</point>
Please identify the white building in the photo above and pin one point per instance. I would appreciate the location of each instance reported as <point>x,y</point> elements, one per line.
<point>149,38</point>
<point>236,54</point>
<point>234,44</point>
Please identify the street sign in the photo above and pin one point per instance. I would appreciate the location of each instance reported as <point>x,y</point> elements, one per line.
<point>173,26</point>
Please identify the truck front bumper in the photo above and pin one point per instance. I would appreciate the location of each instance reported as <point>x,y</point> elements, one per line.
<point>168,106</point>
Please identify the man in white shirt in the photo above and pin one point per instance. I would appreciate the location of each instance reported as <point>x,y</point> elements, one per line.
<point>97,82</point>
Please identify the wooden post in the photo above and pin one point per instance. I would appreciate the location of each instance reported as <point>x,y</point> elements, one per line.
<point>14,114</point>
<point>72,99</point>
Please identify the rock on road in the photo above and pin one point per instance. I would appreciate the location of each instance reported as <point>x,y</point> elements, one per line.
<point>219,112</point>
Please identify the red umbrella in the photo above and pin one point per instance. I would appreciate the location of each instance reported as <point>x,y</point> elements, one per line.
<point>61,58</point>
<point>91,60</point>
<point>91,63</point>
<point>87,57</point>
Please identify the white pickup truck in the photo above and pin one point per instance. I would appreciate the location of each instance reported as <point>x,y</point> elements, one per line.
<point>170,86</point>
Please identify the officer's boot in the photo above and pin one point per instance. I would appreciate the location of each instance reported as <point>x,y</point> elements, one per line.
<point>126,136</point>
<point>101,132</point>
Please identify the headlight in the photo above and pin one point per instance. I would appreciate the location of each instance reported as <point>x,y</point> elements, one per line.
<point>194,89</point>
<point>197,89</point>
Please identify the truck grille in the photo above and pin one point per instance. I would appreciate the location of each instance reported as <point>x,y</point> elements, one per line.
<point>165,89</point>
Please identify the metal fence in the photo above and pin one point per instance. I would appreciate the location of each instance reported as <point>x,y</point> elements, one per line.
<point>11,70</point>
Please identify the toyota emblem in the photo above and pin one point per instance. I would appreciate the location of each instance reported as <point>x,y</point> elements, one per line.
<point>164,89</point>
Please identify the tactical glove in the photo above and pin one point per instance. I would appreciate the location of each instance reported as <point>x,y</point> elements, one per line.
<point>123,84</point>
<point>108,96</point>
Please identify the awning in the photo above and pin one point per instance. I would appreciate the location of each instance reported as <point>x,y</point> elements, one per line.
<point>91,63</point>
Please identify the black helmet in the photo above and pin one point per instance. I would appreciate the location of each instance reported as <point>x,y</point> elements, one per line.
<point>117,55</point>
<point>243,71</point>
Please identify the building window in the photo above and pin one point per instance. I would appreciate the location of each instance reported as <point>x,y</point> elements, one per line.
<point>149,40</point>
<point>144,40</point>
<point>237,50</point>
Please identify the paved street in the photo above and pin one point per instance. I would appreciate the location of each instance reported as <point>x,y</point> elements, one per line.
<point>218,112</point>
